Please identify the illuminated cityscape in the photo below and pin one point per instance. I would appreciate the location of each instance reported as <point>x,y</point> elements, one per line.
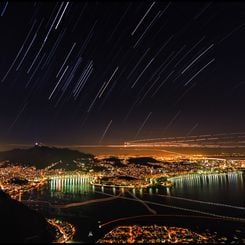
<point>154,234</point>
<point>122,122</point>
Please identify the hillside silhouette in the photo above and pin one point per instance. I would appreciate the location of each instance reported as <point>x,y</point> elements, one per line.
<point>42,156</point>
<point>20,224</point>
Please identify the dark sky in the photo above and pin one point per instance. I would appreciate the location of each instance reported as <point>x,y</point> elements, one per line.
<point>109,72</point>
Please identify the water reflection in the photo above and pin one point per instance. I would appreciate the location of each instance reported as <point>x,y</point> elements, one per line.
<point>70,184</point>
<point>225,188</point>
<point>68,188</point>
<point>204,181</point>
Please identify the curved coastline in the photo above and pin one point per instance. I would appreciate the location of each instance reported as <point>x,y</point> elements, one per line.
<point>119,186</point>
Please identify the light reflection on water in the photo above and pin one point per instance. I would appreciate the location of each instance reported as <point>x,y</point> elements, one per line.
<point>70,184</point>
<point>210,180</point>
<point>225,187</point>
<point>70,188</point>
<point>217,188</point>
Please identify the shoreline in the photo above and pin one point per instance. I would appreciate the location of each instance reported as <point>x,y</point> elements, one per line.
<point>203,174</point>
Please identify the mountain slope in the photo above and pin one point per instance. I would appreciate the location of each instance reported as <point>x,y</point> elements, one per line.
<point>42,156</point>
<point>20,224</point>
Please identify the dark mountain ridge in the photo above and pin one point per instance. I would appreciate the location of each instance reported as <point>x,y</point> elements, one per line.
<point>42,156</point>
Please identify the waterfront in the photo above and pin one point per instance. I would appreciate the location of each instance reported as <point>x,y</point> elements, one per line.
<point>223,188</point>
<point>187,191</point>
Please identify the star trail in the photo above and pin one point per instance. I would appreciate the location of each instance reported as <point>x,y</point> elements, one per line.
<point>113,72</point>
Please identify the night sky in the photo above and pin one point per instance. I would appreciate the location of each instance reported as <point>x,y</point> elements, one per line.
<point>109,72</point>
